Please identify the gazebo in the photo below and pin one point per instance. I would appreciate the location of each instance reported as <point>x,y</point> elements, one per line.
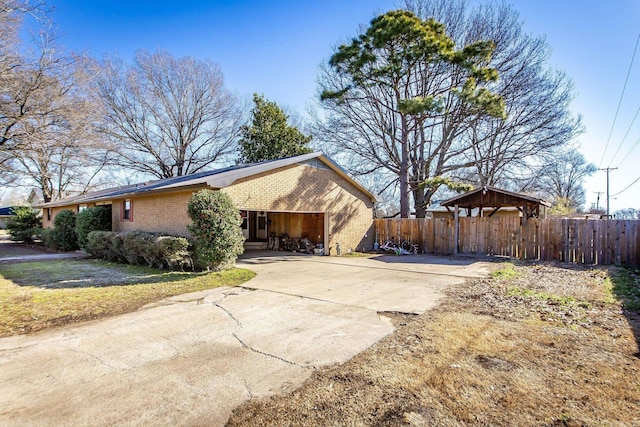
<point>496,198</point>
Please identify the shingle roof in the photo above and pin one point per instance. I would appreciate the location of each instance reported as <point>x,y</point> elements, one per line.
<point>219,178</point>
<point>463,198</point>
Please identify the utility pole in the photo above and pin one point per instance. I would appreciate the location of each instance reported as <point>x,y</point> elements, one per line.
<point>598,193</point>
<point>607,170</point>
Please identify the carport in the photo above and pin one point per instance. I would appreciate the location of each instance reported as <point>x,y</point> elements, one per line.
<point>259,226</point>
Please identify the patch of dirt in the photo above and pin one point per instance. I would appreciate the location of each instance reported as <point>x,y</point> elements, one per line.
<point>547,347</point>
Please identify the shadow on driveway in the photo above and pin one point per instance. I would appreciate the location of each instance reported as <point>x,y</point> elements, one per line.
<point>270,257</point>
<point>420,264</point>
<point>426,259</point>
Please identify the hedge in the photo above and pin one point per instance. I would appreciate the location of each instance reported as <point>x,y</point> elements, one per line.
<point>140,248</point>
<point>64,236</point>
<point>215,227</point>
<point>97,218</point>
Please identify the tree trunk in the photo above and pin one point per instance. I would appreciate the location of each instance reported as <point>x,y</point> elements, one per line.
<point>47,191</point>
<point>404,170</point>
<point>421,208</point>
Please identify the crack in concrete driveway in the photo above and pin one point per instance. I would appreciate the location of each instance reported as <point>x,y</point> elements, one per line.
<point>180,362</point>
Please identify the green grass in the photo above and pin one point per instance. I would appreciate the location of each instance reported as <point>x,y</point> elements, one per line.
<point>623,284</point>
<point>39,295</point>
<point>507,272</point>
<point>80,273</point>
<point>562,300</point>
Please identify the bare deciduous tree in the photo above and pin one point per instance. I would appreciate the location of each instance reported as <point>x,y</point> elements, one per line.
<point>46,114</point>
<point>462,143</point>
<point>538,119</point>
<point>61,152</point>
<point>627,213</point>
<point>399,78</point>
<point>509,152</point>
<point>561,179</point>
<point>166,116</point>
<point>16,105</point>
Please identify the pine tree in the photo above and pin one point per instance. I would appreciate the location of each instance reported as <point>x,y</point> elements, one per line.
<point>394,81</point>
<point>269,136</point>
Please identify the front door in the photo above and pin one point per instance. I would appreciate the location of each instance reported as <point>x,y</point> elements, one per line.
<point>261,225</point>
<point>253,220</point>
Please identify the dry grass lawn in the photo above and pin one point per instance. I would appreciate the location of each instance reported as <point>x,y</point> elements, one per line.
<point>537,344</point>
<point>39,295</point>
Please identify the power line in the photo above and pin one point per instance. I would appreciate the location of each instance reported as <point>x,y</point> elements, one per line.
<point>620,101</point>
<point>627,187</point>
<point>625,137</point>
<point>629,153</point>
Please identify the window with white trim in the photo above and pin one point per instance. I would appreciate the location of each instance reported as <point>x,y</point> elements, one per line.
<point>127,210</point>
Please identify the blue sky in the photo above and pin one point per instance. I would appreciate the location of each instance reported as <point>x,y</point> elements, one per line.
<point>275,47</point>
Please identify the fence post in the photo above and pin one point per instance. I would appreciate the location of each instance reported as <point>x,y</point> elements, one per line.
<point>456,237</point>
<point>618,259</point>
<point>565,235</point>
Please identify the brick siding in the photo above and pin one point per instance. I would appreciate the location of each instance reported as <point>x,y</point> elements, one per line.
<point>295,188</point>
<point>303,188</point>
<point>163,213</point>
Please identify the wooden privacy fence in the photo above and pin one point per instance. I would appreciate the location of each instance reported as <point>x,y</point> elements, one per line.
<point>568,240</point>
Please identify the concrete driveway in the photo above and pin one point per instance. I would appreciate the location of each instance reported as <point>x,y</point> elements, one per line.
<point>407,284</point>
<point>192,359</point>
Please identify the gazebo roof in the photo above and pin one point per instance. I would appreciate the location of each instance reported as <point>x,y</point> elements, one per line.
<point>493,197</point>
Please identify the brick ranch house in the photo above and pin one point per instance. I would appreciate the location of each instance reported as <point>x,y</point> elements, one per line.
<point>306,196</point>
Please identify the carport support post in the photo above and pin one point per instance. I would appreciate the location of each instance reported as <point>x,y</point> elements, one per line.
<point>456,238</point>
<point>327,237</point>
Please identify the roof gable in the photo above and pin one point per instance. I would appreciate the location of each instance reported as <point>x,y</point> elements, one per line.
<point>491,196</point>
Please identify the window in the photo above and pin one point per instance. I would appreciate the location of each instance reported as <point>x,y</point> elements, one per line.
<point>127,210</point>
<point>48,214</point>
<point>82,208</point>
